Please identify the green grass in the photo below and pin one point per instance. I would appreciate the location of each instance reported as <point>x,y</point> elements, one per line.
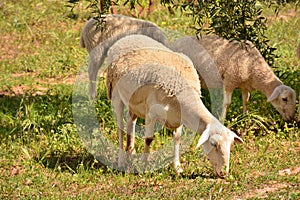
<point>43,157</point>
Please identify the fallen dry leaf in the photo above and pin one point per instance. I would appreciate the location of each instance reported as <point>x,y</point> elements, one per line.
<point>283,172</point>
<point>14,171</point>
<point>27,181</point>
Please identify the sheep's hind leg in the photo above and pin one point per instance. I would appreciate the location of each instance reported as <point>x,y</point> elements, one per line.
<point>245,96</point>
<point>131,121</point>
<point>177,135</point>
<point>149,133</point>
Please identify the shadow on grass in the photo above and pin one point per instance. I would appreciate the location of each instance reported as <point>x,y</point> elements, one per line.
<point>23,116</point>
<point>198,175</point>
<point>45,120</point>
<point>72,164</point>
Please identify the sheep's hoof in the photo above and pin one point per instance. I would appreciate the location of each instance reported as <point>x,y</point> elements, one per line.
<point>121,163</point>
<point>131,151</point>
<point>145,157</point>
<point>121,159</point>
<point>178,169</point>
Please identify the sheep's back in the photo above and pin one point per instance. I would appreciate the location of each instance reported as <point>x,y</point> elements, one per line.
<point>203,62</point>
<point>117,24</point>
<point>130,43</point>
<point>237,64</point>
<point>115,27</point>
<point>141,57</point>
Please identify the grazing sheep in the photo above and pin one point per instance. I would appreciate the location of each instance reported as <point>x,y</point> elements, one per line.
<point>162,86</point>
<point>241,68</point>
<point>98,41</point>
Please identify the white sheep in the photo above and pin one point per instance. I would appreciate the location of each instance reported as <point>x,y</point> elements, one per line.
<point>97,41</point>
<point>239,67</point>
<point>162,86</point>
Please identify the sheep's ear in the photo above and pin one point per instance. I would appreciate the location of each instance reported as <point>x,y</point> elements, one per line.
<point>274,95</point>
<point>203,138</point>
<point>236,138</point>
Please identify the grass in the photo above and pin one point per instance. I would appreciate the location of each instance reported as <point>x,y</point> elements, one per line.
<point>43,157</point>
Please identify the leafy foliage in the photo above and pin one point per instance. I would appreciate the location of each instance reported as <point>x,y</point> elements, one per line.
<point>235,20</point>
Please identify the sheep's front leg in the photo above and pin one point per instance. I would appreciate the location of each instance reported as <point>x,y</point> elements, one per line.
<point>177,135</point>
<point>131,121</point>
<point>245,96</point>
<point>149,133</point>
<point>96,60</point>
<point>92,71</point>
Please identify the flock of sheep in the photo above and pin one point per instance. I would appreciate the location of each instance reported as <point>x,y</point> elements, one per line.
<point>160,81</point>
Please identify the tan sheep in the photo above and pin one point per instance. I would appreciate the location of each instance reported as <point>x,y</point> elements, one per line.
<point>98,41</point>
<point>242,68</point>
<point>162,86</point>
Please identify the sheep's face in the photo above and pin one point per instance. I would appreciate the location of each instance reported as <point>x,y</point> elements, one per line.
<point>217,147</point>
<point>283,99</point>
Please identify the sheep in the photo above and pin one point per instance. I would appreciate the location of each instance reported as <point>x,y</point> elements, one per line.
<point>162,86</point>
<point>239,67</point>
<point>98,41</point>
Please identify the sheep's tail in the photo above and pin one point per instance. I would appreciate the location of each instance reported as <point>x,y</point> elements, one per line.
<point>109,90</point>
<point>82,44</point>
<point>109,82</point>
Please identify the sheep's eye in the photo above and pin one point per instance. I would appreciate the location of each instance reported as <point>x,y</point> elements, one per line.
<point>213,143</point>
<point>284,99</point>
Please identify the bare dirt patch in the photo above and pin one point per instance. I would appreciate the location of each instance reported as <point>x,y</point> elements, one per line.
<point>285,17</point>
<point>289,171</point>
<point>266,189</point>
<point>10,50</point>
<point>39,87</point>
<point>273,186</point>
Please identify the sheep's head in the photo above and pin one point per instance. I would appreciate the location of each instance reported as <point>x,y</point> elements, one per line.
<point>91,35</point>
<point>217,141</point>
<point>283,99</point>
